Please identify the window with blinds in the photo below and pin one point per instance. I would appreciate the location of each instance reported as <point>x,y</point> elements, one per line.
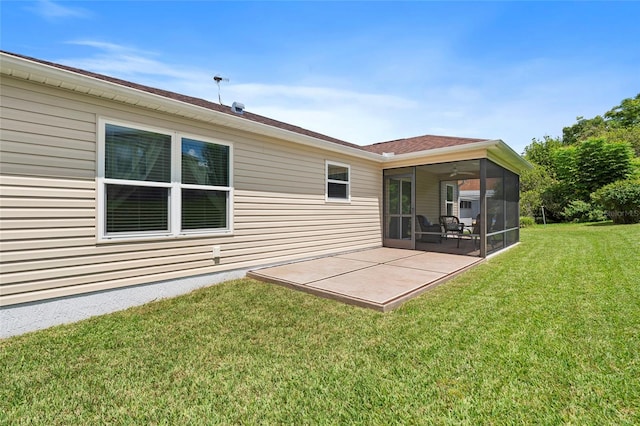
<point>338,182</point>
<point>205,175</point>
<point>162,183</point>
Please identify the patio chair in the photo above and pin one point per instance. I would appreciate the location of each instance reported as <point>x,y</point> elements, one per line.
<point>472,233</point>
<point>475,232</point>
<point>496,224</point>
<point>451,227</point>
<point>434,235</point>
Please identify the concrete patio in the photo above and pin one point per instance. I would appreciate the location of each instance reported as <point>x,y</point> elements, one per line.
<point>381,278</point>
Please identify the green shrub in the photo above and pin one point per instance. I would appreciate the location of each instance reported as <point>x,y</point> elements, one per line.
<point>581,211</point>
<point>526,221</point>
<point>621,200</point>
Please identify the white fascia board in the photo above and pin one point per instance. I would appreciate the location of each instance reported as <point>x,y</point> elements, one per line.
<point>440,151</point>
<point>69,80</point>
<point>513,160</point>
<point>497,146</point>
<point>506,157</point>
<point>46,74</point>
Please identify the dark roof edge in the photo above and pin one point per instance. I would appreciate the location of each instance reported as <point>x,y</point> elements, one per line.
<point>189,99</point>
<point>254,122</point>
<point>422,136</point>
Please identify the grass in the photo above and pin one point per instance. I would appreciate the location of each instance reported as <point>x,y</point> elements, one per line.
<point>546,333</point>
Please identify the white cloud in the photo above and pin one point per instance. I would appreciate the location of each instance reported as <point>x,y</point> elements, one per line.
<point>319,95</point>
<point>53,11</point>
<point>353,116</point>
<point>345,114</point>
<point>118,60</point>
<point>514,102</point>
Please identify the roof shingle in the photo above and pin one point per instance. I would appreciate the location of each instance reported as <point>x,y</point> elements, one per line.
<point>418,143</point>
<point>399,146</point>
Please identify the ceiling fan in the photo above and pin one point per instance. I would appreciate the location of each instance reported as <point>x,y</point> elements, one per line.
<point>455,172</point>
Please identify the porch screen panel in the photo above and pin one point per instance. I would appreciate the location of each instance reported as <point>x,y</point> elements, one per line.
<point>512,195</point>
<point>393,209</point>
<point>495,207</point>
<point>502,207</point>
<point>407,218</point>
<point>398,201</point>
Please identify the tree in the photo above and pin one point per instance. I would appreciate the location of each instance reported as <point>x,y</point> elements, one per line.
<point>621,200</point>
<point>564,164</point>
<point>592,153</point>
<point>620,123</point>
<point>540,151</point>
<point>533,183</point>
<point>583,129</point>
<point>556,198</point>
<point>576,172</point>
<point>625,134</point>
<point>625,115</point>
<point>598,163</point>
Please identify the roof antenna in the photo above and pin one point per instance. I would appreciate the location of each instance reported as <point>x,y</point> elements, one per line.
<point>218,79</point>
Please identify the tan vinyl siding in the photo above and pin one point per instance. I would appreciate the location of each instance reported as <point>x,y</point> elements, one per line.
<point>43,139</point>
<point>48,206</point>
<point>427,195</point>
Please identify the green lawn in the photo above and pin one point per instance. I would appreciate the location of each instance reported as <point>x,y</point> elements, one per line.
<point>546,333</point>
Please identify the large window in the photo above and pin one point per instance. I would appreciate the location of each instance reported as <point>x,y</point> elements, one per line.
<point>160,183</point>
<point>338,183</point>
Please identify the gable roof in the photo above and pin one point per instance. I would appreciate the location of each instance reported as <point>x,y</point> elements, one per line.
<point>190,100</point>
<point>418,143</point>
<point>99,85</point>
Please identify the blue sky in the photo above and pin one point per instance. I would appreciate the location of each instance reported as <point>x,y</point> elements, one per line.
<point>360,71</point>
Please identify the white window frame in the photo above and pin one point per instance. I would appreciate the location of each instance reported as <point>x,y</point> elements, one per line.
<point>466,203</point>
<point>451,203</point>
<point>175,187</point>
<point>347,183</point>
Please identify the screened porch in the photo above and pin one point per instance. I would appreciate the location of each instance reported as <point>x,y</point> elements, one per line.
<point>468,207</point>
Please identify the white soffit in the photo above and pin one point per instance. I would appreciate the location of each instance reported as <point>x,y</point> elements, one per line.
<point>46,74</point>
<point>69,80</point>
<point>502,152</point>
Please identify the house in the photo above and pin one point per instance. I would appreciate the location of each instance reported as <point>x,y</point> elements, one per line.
<point>108,184</point>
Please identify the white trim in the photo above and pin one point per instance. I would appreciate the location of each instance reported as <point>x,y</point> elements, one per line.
<point>327,181</point>
<point>453,199</point>
<point>175,187</point>
<point>30,70</point>
<point>50,75</point>
<point>512,161</point>
<point>47,74</point>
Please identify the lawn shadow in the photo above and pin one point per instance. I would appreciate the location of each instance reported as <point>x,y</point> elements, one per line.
<point>609,223</point>
<point>606,223</point>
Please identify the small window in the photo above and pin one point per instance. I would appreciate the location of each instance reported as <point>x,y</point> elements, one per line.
<point>464,204</point>
<point>449,202</point>
<point>338,186</point>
